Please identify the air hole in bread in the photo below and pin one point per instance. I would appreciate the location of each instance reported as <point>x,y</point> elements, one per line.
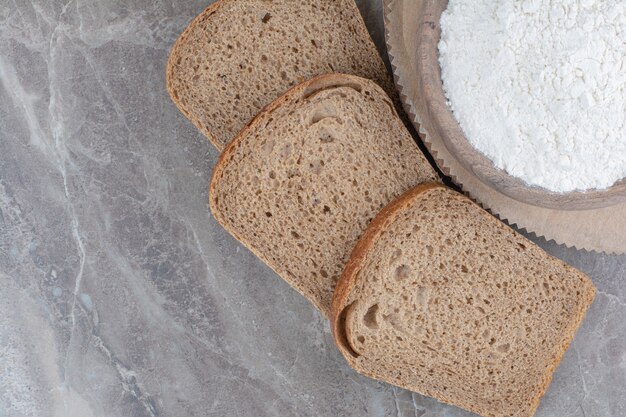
<point>394,320</point>
<point>395,256</point>
<point>369,319</point>
<point>315,167</point>
<point>321,114</point>
<point>267,147</point>
<point>504,348</point>
<point>402,272</point>
<point>546,288</point>
<point>421,296</point>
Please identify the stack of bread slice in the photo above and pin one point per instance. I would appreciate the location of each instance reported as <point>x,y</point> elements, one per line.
<point>320,178</point>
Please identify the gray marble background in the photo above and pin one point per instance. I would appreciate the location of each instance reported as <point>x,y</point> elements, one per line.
<point>119,293</point>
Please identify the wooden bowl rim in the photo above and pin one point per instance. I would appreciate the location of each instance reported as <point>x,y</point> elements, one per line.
<point>443,120</point>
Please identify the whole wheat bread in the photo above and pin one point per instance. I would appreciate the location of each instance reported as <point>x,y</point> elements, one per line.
<point>238,56</point>
<point>303,180</point>
<point>441,298</point>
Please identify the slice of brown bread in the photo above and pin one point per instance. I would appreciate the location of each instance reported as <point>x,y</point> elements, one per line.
<point>240,55</point>
<point>441,298</point>
<point>303,180</point>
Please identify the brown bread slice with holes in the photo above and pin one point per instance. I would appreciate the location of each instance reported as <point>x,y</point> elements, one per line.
<point>240,55</point>
<point>441,298</point>
<point>299,185</point>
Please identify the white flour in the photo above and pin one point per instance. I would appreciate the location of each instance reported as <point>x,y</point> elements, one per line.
<point>539,86</point>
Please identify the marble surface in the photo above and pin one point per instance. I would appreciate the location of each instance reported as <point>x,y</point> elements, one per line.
<point>119,293</point>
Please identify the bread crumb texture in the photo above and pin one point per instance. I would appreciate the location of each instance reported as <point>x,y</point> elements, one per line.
<point>449,302</point>
<point>238,56</point>
<point>300,185</point>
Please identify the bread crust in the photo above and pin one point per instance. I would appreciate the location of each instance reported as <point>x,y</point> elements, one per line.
<point>175,53</point>
<point>169,72</point>
<point>348,280</point>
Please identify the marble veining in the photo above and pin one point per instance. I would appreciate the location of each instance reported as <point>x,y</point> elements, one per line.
<point>119,293</point>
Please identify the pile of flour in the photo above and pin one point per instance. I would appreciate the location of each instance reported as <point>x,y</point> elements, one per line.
<point>539,86</point>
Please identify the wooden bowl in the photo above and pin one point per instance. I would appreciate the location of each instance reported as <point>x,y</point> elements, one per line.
<point>445,126</point>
